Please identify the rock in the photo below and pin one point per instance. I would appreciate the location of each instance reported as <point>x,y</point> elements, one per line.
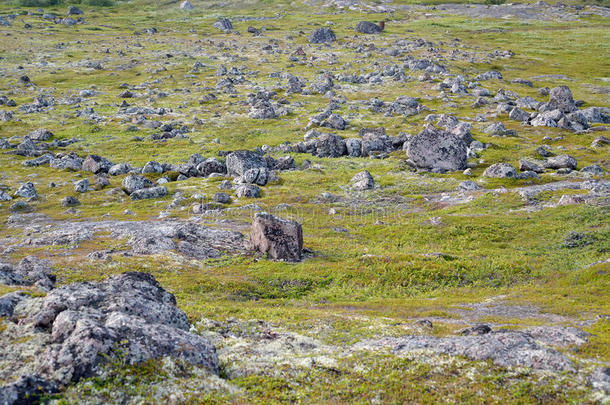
<point>500,171</point>
<point>153,167</point>
<point>594,169</point>
<point>322,35</point>
<point>82,324</point>
<point>69,162</point>
<point>469,185</point>
<point>96,164</point>
<point>21,207</point>
<point>600,379</point>
<point>81,186</point>
<point>353,147</point>
<point>600,141</point>
<point>211,165</point>
<point>284,163</point>
<point>363,181</point>
<point>222,198</point>
<point>133,182</point>
<point>336,121</point>
<point>248,191</point>
<point>526,165</point>
<point>518,114</point>
<point>596,115</point>
<point>435,149</point>
<point>30,271</point>
<point>40,134</point>
<point>4,196</point>
<point>259,175</point>
<point>27,191</point>
<point>151,192</point>
<point>505,348</point>
<point>498,129</point>
<point>151,245</point>
<point>187,6</point>
<point>329,145</point>
<point>239,162</point>
<point>119,169</point>
<point>476,330</point>
<point>366,27</point>
<point>571,199</point>
<point>280,239</point>
<point>561,98</point>
<point>544,152</point>
<point>70,201</point>
<point>561,162</point>
<point>223,24</point>
<point>73,10</point>
<point>27,147</point>
<point>376,144</point>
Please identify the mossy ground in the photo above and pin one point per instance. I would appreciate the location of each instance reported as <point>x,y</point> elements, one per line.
<point>380,269</point>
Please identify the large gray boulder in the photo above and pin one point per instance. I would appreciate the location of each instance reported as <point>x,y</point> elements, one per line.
<point>561,98</point>
<point>281,239</point>
<point>367,27</point>
<point>436,149</point>
<point>78,326</point>
<point>322,35</point>
<point>329,145</point>
<point>151,192</point>
<point>240,161</point>
<point>96,164</point>
<point>363,181</point>
<point>223,24</point>
<point>133,182</point>
<point>26,190</point>
<point>561,162</point>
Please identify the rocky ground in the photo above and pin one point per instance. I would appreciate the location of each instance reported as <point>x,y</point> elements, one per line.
<point>312,202</point>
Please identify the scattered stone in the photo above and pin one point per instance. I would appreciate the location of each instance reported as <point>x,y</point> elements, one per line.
<point>151,192</point>
<point>561,162</point>
<point>27,191</point>
<point>70,201</point>
<point>366,27</point>
<point>223,24</point>
<point>363,181</point>
<point>500,171</point>
<point>239,162</point>
<point>133,182</point>
<point>280,239</point>
<point>322,36</point>
<point>435,149</point>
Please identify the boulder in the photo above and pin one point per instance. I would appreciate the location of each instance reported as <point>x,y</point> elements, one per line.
<point>322,35</point>
<point>96,164</point>
<point>561,98</point>
<point>561,162</point>
<point>248,191</point>
<point>151,192</point>
<point>223,24</point>
<point>133,182</point>
<point>40,134</point>
<point>186,5</point>
<point>500,171</point>
<point>240,161</point>
<point>27,191</point>
<point>279,238</point>
<point>329,145</point>
<point>367,27</point>
<point>436,149</point>
<point>363,181</point>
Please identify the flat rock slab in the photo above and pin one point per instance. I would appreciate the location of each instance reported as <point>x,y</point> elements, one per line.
<point>505,348</point>
<point>144,237</point>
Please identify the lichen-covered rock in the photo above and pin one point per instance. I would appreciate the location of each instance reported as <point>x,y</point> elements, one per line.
<point>436,149</point>
<point>500,171</point>
<point>248,191</point>
<point>363,181</point>
<point>88,321</point>
<point>26,190</point>
<point>367,27</point>
<point>279,238</point>
<point>561,162</point>
<point>150,192</point>
<point>240,161</point>
<point>561,98</point>
<point>133,182</point>
<point>322,35</point>
<point>96,164</point>
<point>30,271</point>
<point>223,24</point>
<point>329,145</point>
